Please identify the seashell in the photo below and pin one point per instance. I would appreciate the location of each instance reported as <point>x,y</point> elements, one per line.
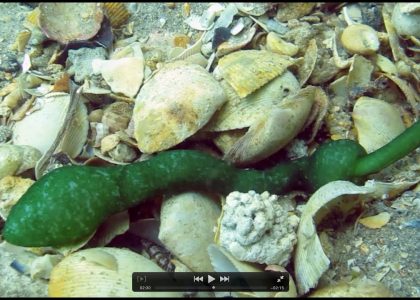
<point>32,18</point>
<point>205,21</point>
<point>310,261</point>
<point>22,39</point>
<point>224,20</point>
<point>309,62</point>
<point>96,115</point>
<point>360,39</point>
<point>198,59</point>
<point>124,75</point>
<point>101,272</point>
<point>85,20</point>
<point>117,13</point>
<point>406,19</point>
<point>40,128</point>
<point>276,44</point>
<point>42,266</point>
<point>236,42</point>
<point>253,9</point>
<point>11,189</point>
<point>359,75</point>
<point>117,115</point>
<point>248,70</point>
<point>377,221</point>
<point>356,288</point>
<point>180,40</point>
<point>15,159</point>
<point>240,113</point>
<point>186,10</point>
<point>385,65</point>
<point>174,104</point>
<point>123,153</point>
<point>186,228</point>
<point>377,122</point>
<point>289,11</point>
<point>109,142</point>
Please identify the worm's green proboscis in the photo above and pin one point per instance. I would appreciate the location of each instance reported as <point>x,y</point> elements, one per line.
<point>68,204</point>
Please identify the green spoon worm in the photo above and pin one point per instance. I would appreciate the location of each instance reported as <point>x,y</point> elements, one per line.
<point>68,204</point>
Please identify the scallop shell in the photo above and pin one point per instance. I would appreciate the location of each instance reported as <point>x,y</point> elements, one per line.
<point>15,159</point>
<point>248,70</point>
<point>174,104</point>
<point>240,113</point>
<point>360,39</point>
<point>186,228</point>
<point>101,272</point>
<point>66,22</point>
<point>117,13</point>
<point>377,122</point>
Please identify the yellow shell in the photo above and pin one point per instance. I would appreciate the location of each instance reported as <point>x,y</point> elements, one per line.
<point>21,41</point>
<point>248,70</point>
<point>277,45</point>
<point>117,13</point>
<point>32,18</point>
<point>173,105</point>
<point>360,39</point>
<point>377,122</point>
<point>101,272</point>
<point>15,159</point>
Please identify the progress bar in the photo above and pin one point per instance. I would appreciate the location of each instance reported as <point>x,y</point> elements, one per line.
<point>210,281</point>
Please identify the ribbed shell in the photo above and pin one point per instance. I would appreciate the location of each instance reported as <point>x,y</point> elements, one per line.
<point>248,70</point>
<point>101,272</point>
<point>117,13</point>
<point>173,105</point>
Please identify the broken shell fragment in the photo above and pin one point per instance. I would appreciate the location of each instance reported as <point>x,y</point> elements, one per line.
<point>11,189</point>
<point>186,228</point>
<point>173,105</point>
<point>248,70</point>
<point>360,39</point>
<point>117,13</point>
<point>15,159</point>
<point>66,22</point>
<point>277,45</point>
<point>376,221</point>
<point>406,19</point>
<point>377,122</point>
<point>124,75</point>
<point>101,272</point>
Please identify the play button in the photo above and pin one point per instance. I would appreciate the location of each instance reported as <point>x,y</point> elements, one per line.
<point>210,278</point>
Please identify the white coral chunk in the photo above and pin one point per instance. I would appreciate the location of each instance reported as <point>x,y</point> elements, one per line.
<point>258,228</point>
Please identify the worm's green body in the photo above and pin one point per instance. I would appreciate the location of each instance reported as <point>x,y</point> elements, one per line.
<point>68,204</point>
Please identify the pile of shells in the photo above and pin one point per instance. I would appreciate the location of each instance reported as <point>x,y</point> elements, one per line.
<point>249,83</point>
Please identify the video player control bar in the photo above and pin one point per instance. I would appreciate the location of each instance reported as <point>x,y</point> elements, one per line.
<point>210,281</point>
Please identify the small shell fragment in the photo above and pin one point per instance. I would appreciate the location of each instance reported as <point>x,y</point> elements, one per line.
<point>360,39</point>
<point>11,189</point>
<point>15,159</point>
<point>117,12</point>
<point>117,116</point>
<point>248,70</point>
<point>377,221</point>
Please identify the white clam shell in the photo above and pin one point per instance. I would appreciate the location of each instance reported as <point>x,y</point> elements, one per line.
<point>40,128</point>
<point>377,122</point>
<point>406,19</point>
<point>187,222</point>
<point>173,105</point>
<point>101,272</point>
